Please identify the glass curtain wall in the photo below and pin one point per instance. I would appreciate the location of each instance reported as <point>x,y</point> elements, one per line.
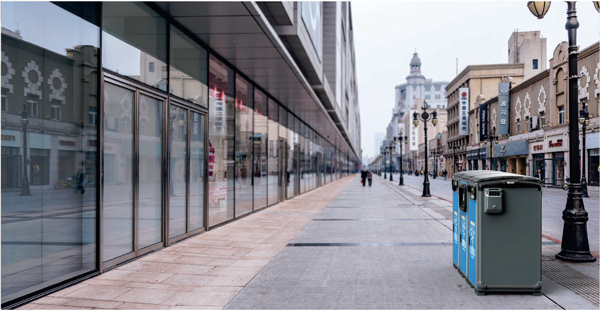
<point>301,160</point>
<point>221,121</point>
<point>49,100</point>
<point>260,143</point>
<point>273,165</point>
<point>244,134</point>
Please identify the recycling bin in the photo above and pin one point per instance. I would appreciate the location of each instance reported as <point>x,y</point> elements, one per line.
<point>497,231</point>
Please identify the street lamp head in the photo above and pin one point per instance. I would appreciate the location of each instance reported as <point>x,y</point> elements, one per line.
<point>581,116</point>
<point>587,121</point>
<point>434,120</point>
<point>415,119</point>
<point>597,6</point>
<point>405,140</point>
<point>496,141</point>
<point>538,8</point>
<point>24,116</point>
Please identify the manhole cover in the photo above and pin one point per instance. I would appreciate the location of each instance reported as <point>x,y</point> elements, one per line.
<point>581,284</point>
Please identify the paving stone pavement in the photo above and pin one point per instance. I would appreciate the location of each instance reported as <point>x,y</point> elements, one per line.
<point>342,246</point>
<point>382,247</point>
<point>202,272</point>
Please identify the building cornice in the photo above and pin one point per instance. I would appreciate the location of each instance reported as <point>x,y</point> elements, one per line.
<point>594,48</point>
<point>466,73</point>
<point>540,76</point>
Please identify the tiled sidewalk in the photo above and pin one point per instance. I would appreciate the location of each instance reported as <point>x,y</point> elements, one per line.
<point>202,272</point>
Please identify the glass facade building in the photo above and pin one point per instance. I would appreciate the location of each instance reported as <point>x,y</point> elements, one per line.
<point>123,131</point>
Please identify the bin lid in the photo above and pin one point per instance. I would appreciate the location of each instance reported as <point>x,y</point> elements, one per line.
<point>481,176</point>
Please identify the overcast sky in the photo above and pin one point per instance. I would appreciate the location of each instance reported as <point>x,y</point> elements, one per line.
<point>476,32</point>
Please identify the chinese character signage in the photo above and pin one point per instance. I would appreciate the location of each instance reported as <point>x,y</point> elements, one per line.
<point>483,122</point>
<point>503,108</point>
<point>463,113</point>
<point>414,134</point>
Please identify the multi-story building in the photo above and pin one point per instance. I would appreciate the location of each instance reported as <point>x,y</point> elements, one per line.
<point>475,84</point>
<point>537,139</point>
<point>168,118</point>
<point>418,87</point>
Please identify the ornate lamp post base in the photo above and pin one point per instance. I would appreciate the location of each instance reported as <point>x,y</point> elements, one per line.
<point>575,246</point>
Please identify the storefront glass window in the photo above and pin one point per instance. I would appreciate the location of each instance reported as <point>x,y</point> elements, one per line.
<point>150,171</point>
<point>48,202</point>
<point>134,42</point>
<point>221,124</point>
<point>188,76</point>
<point>178,170</point>
<point>273,179</point>
<point>118,171</point>
<point>244,133</point>
<point>291,157</point>
<point>260,149</point>
<point>196,171</point>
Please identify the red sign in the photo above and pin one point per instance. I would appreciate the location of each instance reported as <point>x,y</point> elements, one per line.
<point>557,144</point>
<point>538,147</point>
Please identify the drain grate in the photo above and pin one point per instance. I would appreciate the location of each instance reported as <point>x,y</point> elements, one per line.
<point>581,284</point>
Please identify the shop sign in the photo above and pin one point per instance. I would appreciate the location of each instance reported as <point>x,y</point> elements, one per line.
<point>483,122</point>
<point>11,138</point>
<point>463,105</point>
<point>519,147</point>
<point>503,108</point>
<point>592,140</point>
<point>472,154</point>
<point>40,141</point>
<point>595,152</point>
<point>414,135</point>
<point>537,147</point>
<point>557,143</point>
<point>484,153</point>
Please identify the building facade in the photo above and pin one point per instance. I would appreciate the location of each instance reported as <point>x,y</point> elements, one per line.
<point>535,141</point>
<point>127,127</point>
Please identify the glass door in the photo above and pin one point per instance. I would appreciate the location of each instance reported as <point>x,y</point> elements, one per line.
<point>283,170</point>
<point>187,186</point>
<point>132,219</point>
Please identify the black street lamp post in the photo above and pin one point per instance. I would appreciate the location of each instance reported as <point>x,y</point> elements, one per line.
<point>400,139</point>
<point>575,245</point>
<point>584,120</point>
<point>425,117</point>
<point>25,191</point>
<point>391,148</point>
<point>434,162</point>
<point>493,140</point>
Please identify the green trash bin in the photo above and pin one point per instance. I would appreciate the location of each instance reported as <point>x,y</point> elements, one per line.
<point>497,231</point>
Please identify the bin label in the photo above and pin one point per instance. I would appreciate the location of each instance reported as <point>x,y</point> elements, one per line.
<point>463,242</point>
<point>472,242</point>
<point>455,228</point>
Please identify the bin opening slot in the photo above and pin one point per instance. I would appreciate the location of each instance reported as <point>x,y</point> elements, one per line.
<point>462,198</point>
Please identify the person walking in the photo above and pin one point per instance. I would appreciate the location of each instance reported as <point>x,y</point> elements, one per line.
<point>363,177</point>
<point>445,174</point>
<point>370,177</point>
<point>80,178</point>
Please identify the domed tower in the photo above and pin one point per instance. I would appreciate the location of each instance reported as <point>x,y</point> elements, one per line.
<point>415,65</point>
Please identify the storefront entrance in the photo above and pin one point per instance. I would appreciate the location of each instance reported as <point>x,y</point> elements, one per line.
<point>154,159</point>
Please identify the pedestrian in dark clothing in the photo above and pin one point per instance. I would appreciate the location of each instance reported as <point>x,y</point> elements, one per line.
<point>80,178</point>
<point>445,174</point>
<point>369,177</point>
<point>363,177</point>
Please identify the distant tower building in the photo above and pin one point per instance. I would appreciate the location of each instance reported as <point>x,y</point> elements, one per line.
<point>529,48</point>
<point>418,87</point>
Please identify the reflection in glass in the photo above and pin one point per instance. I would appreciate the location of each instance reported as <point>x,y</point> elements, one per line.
<point>188,77</point>
<point>177,171</point>
<point>196,171</point>
<point>244,131</point>
<point>48,203</point>
<point>221,122</point>
<point>150,164</point>
<point>134,40</point>
<point>118,171</point>
<point>273,194</point>
<point>260,149</point>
